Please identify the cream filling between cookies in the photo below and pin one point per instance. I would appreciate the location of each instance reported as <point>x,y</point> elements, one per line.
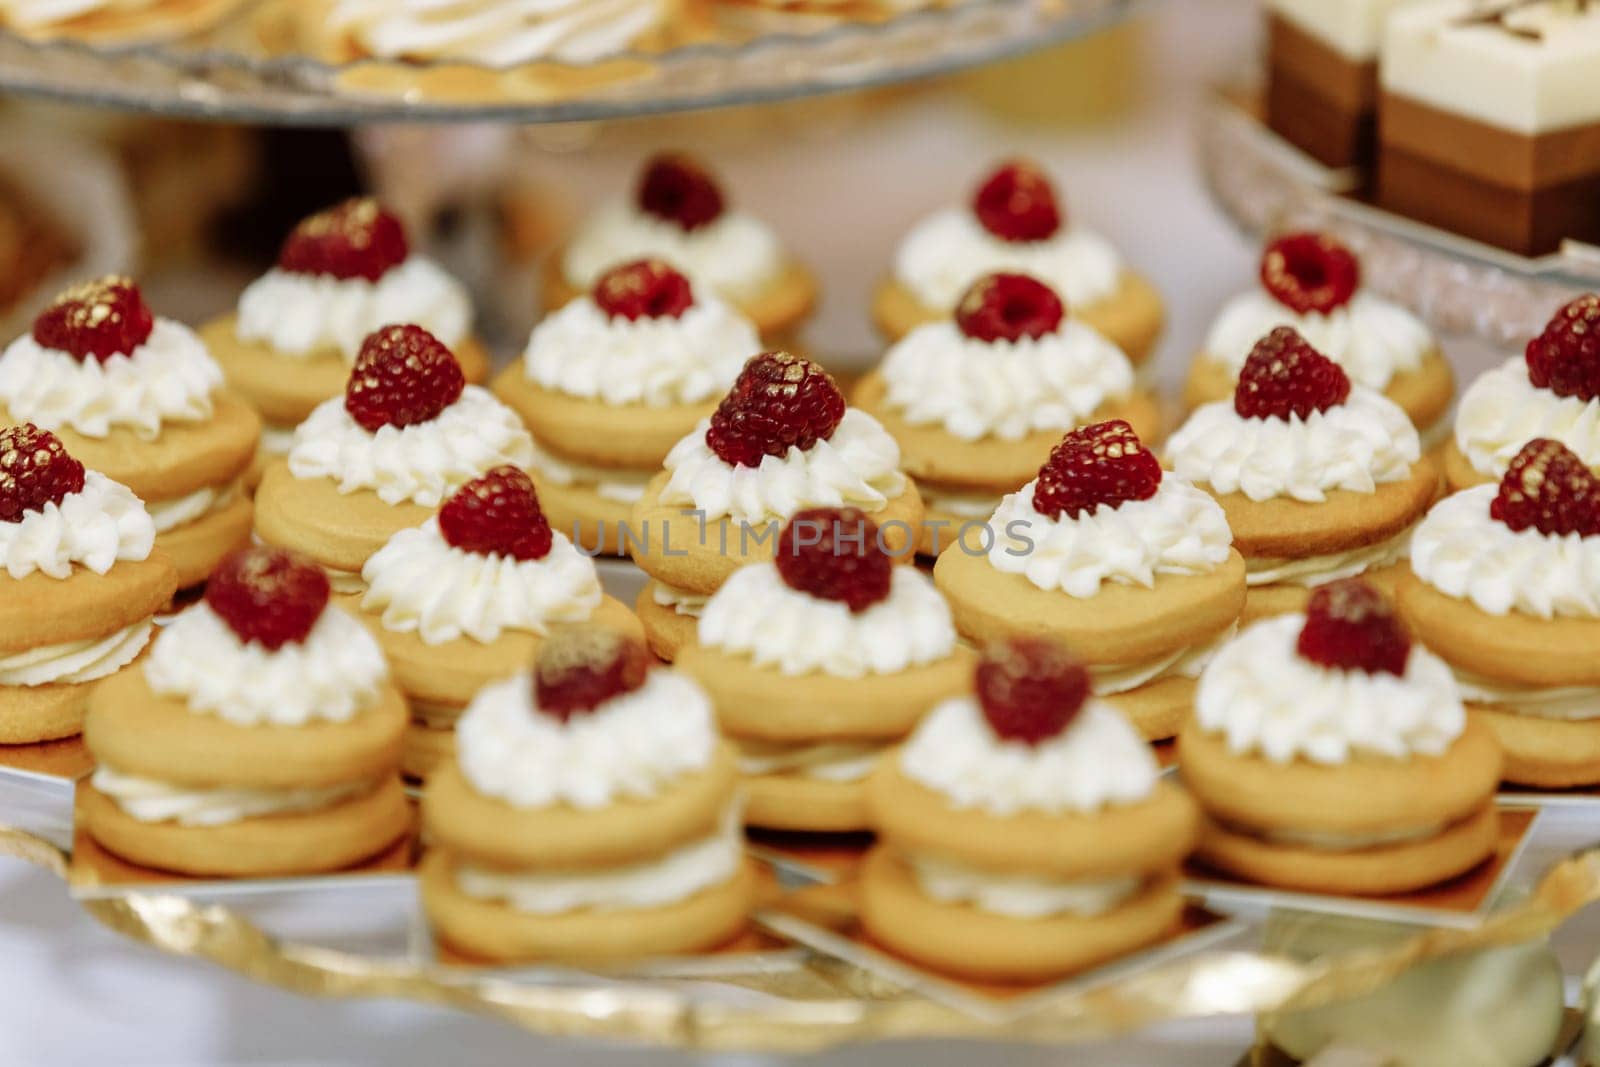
<point>692,605</point>
<point>677,876</point>
<point>277,440</point>
<point>1328,841</point>
<point>1576,703</point>
<point>345,582</point>
<point>75,662</point>
<point>149,800</point>
<point>434,715</point>
<point>1019,896</point>
<point>1187,662</point>
<point>168,515</point>
<point>621,484</point>
<point>842,762</point>
<point>961,503</point>
<point>1312,571</point>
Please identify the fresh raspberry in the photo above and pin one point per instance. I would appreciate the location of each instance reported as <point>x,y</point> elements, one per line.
<point>1549,489</point>
<point>1017,203</point>
<point>647,289</point>
<point>403,375</point>
<point>578,668</point>
<point>1009,307</point>
<point>355,239</point>
<point>1030,688</point>
<point>677,189</point>
<point>834,554</point>
<point>1310,272</point>
<point>1565,359</point>
<point>96,320</point>
<point>1285,376</point>
<point>779,402</point>
<point>268,595</point>
<point>497,515</point>
<point>35,470</point>
<point>1093,465</point>
<point>1350,626</point>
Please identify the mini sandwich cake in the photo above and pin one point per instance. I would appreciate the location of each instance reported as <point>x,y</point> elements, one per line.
<point>407,433</point>
<point>817,663</point>
<point>1130,567</point>
<point>1025,831</point>
<point>1016,224</point>
<point>466,599</point>
<point>260,737</point>
<point>80,584</point>
<point>1312,283</point>
<point>112,22</point>
<point>680,215</point>
<point>977,402</point>
<point>341,275</point>
<point>645,356</point>
<point>1321,479</point>
<point>1552,391</point>
<point>591,813</point>
<point>1505,585</point>
<point>139,399</point>
<point>780,442</point>
<point>1332,756</point>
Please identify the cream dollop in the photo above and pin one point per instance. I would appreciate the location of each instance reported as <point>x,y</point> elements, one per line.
<point>495,34</point>
<point>75,662</point>
<point>1373,339</point>
<point>736,255</point>
<point>169,378</point>
<point>148,800</point>
<point>1502,411</point>
<point>419,583</point>
<point>331,676</point>
<point>949,250</point>
<point>1356,446</point>
<point>307,314</point>
<point>95,527</point>
<point>1019,896</point>
<point>859,466</point>
<point>938,376</point>
<point>422,463</point>
<point>1180,530</point>
<point>757,615</point>
<point>1099,761</point>
<point>630,747</point>
<point>1464,553</point>
<point>581,351</point>
<point>1265,699</point>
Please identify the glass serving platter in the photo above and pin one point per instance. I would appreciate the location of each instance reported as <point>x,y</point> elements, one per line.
<point>743,57</point>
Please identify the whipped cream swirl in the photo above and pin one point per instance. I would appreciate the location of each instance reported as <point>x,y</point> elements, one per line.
<point>1180,530</point>
<point>1004,389</point>
<point>331,676</point>
<point>1265,699</point>
<point>1502,411</point>
<point>95,527</point>
<point>1464,553</point>
<point>756,614</point>
<point>420,583</point>
<point>149,800</point>
<point>581,351</point>
<point>423,463</point>
<point>1019,896</point>
<point>495,34</point>
<point>858,466</point>
<point>74,662</point>
<point>169,378</point>
<point>1356,446</point>
<point>305,315</point>
<point>736,255</point>
<point>631,747</point>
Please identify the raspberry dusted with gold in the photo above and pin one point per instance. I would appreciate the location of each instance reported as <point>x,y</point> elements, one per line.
<point>676,188</point>
<point>96,320</point>
<point>35,470</point>
<point>1285,377</point>
<point>403,376</point>
<point>1030,689</point>
<point>1350,626</point>
<point>268,595</point>
<point>1308,272</point>
<point>835,554</point>
<point>497,515</point>
<point>646,289</point>
<point>578,668</point>
<point>355,239</point>
<point>779,402</point>
<point>1009,307</point>
<point>1017,203</point>
<point>1548,488</point>
<point>1102,464</point>
<point>1565,358</point>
